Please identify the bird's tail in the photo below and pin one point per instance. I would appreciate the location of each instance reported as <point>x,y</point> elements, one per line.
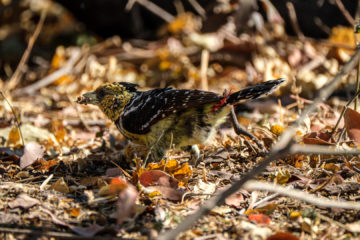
<point>255,91</point>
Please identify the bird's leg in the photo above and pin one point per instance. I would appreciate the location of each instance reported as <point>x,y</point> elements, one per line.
<point>195,155</point>
<point>156,150</point>
<point>240,130</point>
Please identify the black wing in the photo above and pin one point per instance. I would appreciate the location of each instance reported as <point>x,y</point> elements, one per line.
<point>149,107</point>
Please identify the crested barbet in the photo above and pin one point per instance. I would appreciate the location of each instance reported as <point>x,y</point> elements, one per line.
<point>166,117</point>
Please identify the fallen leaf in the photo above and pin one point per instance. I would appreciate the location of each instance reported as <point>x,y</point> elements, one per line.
<point>316,141</point>
<point>114,172</point>
<point>282,236</point>
<point>117,185</point>
<point>168,193</point>
<point>221,210</point>
<point>184,173</point>
<point>259,218</point>
<point>235,200</point>
<point>75,212</point>
<point>126,203</point>
<point>157,178</point>
<point>204,188</point>
<point>60,186</point>
<point>14,136</point>
<point>6,218</point>
<point>59,130</point>
<point>352,124</point>
<point>32,153</point>
<point>353,227</point>
<point>89,231</point>
<point>24,201</point>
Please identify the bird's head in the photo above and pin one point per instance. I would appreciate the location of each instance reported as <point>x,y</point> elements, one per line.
<point>111,98</point>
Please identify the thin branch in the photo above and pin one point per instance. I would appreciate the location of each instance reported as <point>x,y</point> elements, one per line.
<point>301,195</point>
<point>16,119</point>
<point>67,69</point>
<point>343,111</point>
<point>345,12</point>
<point>280,149</point>
<point>15,78</point>
<point>198,8</point>
<point>152,7</point>
<point>320,149</point>
<point>293,20</point>
<point>52,234</point>
<point>357,13</point>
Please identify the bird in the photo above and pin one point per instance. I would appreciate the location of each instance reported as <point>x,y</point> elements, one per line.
<point>162,118</point>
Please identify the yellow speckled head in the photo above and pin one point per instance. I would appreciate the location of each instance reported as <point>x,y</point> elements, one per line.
<point>111,98</point>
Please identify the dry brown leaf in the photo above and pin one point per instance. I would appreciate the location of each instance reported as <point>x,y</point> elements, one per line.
<point>283,236</point>
<point>127,196</point>
<point>352,124</point>
<point>60,186</point>
<point>14,136</point>
<point>169,193</point>
<point>90,231</point>
<point>235,200</point>
<point>32,153</point>
<point>7,218</point>
<point>24,201</point>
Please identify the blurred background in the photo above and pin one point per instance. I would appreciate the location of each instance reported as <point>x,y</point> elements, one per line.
<point>159,43</point>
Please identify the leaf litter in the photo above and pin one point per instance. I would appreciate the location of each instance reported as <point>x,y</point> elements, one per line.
<point>95,184</point>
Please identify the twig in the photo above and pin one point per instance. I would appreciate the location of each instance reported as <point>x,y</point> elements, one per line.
<point>357,13</point>
<point>47,180</point>
<point>345,12</point>
<point>29,179</point>
<point>321,186</point>
<point>332,221</point>
<point>358,68</point>
<point>204,68</point>
<point>152,7</point>
<point>301,195</point>
<point>293,20</point>
<point>57,235</point>
<point>198,8</point>
<point>121,169</point>
<point>16,119</point>
<point>280,149</point>
<point>15,78</point>
<point>322,26</point>
<point>320,149</point>
<point>265,200</point>
<point>67,69</point>
<point>343,112</point>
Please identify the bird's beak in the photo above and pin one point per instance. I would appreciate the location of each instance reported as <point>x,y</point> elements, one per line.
<point>89,97</point>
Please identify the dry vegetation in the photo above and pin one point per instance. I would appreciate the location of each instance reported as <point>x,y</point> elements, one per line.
<point>67,172</point>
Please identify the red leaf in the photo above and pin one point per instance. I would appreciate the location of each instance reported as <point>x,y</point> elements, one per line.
<point>159,178</point>
<point>282,236</point>
<point>32,153</point>
<point>352,124</point>
<point>259,218</point>
<point>117,185</point>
